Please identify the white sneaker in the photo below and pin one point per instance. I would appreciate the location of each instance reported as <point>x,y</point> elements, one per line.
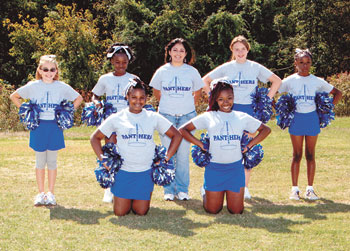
<point>169,197</point>
<point>294,195</point>
<point>182,196</point>
<point>202,191</point>
<point>39,199</point>
<point>108,196</point>
<point>50,199</point>
<point>311,195</point>
<point>247,194</point>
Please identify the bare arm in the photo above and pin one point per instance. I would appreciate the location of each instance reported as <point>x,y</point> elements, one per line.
<point>176,138</point>
<point>77,102</point>
<point>16,99</point>
<point>96,100</point>
<point>95,141</point>
<point>207,80</point>
<point>337,95</point>
<point>264,131</point>
<point>275,85</point>
<point>157,94</point>
<point>197,95</point>
<point>186,129</point>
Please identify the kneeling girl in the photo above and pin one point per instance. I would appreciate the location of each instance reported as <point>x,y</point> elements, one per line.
<point>134,128</point>
<point>225,173</point>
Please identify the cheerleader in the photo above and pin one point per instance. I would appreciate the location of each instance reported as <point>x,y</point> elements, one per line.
<point>245,74</point>
<point>48,138</point>
<point>177,86</point>
<point>225,172</point>
<point>113,85</point>
<point>134,128</point>
<point>305,125</point>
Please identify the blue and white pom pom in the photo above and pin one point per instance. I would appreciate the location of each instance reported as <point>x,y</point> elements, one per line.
<point>163,172</point>
<point>29,114</point>
<point>149,107</point>
<point>113,160</point>
<point>89,114</point>
<point>253,156</point>
<point>324,108</point>
<point>261,104</point>
<point>64,114</point>
<point>201,158</point>
<point>108,109</point>
<point>285,110</point>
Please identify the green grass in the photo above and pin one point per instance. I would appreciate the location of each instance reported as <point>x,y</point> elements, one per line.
<point>270,220</point>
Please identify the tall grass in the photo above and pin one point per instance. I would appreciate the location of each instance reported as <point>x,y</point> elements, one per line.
<point>81,221</point>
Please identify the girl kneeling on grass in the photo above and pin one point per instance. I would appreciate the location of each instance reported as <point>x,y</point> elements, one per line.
<point>48,138</point>
<point>225,172</point>
<point>305,124</point>
<point>134,127</point>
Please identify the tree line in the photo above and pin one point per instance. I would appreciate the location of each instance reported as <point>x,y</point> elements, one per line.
<point>79,33</point>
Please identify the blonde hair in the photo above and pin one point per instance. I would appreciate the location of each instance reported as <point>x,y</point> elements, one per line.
<point>47,59</point>
<point>240,39</point>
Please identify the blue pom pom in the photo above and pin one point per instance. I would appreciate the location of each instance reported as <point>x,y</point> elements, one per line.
<point>64,114</point>
<point>163,173</point>
<point>149,107</point>
<point>113,160</point>
<point>262,104</point>
<point>254,156</point>
<point>89,114</point>
<point>324,108</point>
<point>29,114</point>
<point>201,158</point>
<point>108,109</point>
<point>285,110</point>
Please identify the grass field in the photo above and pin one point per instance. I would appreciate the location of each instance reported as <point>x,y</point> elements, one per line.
<point>81,221</point>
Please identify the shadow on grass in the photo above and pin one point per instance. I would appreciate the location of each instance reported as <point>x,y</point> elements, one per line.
<point>81,216</point>
<point>171,221</point>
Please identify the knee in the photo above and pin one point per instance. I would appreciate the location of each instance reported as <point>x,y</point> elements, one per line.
<point>297,156</point>
<point>309,156</point>
<point>212,210</point>
<point>118,212</point>
<point>140,212</point>
<point>238,210</point>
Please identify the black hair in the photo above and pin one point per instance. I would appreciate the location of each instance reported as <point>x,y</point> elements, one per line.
<point>215,92</point>
<point>299,53</point>
<point>139,85</point>
<point>121,51</point>
<point>189,59</point>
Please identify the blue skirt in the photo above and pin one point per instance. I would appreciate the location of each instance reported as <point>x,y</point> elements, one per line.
<point>243,108</point>
<point>221,177</point>
<point>48,136</point>
<point>305,124</point>
<point>133,185</point>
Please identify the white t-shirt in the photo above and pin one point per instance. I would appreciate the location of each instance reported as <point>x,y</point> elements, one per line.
<point>245,76</point>
<point>48,96</point>
<point>135,136</point>
<point>114,88</point>
<point>304,89</point>
<point>225,131</point>
<point>177,85</point>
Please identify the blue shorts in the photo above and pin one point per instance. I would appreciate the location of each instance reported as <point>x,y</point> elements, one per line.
<point>305,124</point>
<point>243,108</point>
<point>133,185</point>
<point>48,136</point>
<point>221,177</point>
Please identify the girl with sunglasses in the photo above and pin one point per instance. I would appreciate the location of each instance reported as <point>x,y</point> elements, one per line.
<point>113,85</point>
<point>48,92</point>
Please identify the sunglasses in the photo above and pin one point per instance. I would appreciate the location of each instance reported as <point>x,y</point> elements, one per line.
<point>47,70</point>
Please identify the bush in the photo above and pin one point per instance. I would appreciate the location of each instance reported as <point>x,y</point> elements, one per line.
<point>342,82</point>
<point>9,119</point>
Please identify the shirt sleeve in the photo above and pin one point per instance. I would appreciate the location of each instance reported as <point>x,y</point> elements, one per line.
<point>156,81</point>
<point>107,126</point>
<point>201,121</point>
<point>264,73</point>
<point>99,88</point>
<point>283,87</point>
<point>163,124</point>
<point>70,93</point>
<point>26,91</point>
<point>197,81</point>
<point>217,72</point>
<point>325,86</point>
<point>252,124</point>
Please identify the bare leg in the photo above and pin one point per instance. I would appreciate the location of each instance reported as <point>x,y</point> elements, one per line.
<point>310,145</point>
<point>213,201</point>
<point>235,201</point>
<point>52,174</point>
<point>141,207</point>
<point>121,206</point>
<point>247,176</point>
<point>297,142</point>
<point>40,179</point>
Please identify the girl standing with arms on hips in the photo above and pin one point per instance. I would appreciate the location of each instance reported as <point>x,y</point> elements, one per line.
<point>177,86</point>
<point>113,85</point>
<point>225,172</point>
<point>48,138</point>
<point>134,128</point>
<point>305,125</point>
<point>245,74</point>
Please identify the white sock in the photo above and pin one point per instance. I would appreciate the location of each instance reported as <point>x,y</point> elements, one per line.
<point>309,188</point>
<point>295,188</point>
